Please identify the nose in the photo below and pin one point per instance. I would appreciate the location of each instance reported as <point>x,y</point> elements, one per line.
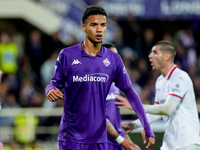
<point>99,28</point>
<point>150,54</point>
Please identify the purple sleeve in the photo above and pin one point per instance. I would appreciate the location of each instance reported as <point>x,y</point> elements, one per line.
<point>123,82</point>
<point>137,106</point>
<point>57,80</point>
<point>48,88</point>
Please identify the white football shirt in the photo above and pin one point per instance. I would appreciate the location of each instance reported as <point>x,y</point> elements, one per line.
<point>182,127</point>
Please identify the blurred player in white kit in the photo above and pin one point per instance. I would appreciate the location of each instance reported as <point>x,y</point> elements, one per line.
<point>174,102</point>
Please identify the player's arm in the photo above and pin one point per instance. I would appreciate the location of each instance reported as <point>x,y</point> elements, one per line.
<point>111,130</point>
<point>57,82</point>
<point>124,103</point>
<point>123,82</point>
<point>127,144</point>
<point>139,110</point>
<point>167,108</point>
<point>54,94</point>
<point>170,105</point>
<point>137,106</point>
<point>128,127</point>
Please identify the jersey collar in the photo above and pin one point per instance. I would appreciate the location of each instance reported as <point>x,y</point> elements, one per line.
<point>171,71</point>
<point>84,54</point>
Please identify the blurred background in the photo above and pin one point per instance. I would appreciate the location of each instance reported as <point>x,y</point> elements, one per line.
<point>32,33</point>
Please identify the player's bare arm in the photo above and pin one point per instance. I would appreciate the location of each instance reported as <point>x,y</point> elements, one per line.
<point>111,130</point>
<point>54,95</point>
<point>127,144</point>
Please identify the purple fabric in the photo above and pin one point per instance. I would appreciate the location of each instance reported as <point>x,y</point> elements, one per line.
<point>137,106</point>
<point>48,88</point>
<point>64,145</point>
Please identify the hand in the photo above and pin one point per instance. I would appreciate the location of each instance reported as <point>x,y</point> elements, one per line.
<point>151,139</point>
<point>128,127</point>
<point>128,145</point>
<point>54,94</point>
<point>123,102</point>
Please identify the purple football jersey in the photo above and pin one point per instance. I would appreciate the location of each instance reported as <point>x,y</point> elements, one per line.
<point>113,113</point>
<point>86,81</point>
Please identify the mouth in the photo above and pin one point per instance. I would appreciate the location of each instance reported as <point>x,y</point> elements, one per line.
<point>99,37</point>
<point>151,62</point>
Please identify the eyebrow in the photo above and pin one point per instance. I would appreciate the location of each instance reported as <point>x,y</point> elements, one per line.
<point>97,23</point>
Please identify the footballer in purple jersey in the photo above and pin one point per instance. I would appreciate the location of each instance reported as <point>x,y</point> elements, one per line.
<point>86,71</point>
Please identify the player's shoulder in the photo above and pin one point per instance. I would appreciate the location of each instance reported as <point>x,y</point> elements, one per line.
<point>70,49</point>
<point>179,73</point>
<point>69,52</point>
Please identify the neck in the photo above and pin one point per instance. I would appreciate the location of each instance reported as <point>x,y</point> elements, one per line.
<point>167,68</point>
<point>91,48</point>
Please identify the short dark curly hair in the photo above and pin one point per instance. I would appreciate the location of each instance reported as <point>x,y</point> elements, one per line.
<point>93,10</point>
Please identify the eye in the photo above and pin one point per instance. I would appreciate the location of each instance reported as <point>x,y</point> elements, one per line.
<point>92,24</point>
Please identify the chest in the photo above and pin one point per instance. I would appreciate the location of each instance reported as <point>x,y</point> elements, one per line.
<point>83,69</point>
<point>162,90</point>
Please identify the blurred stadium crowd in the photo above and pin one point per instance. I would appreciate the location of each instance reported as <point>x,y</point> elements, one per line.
<point>27,60</point>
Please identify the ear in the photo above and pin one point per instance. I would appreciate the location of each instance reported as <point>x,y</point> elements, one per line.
<point>83,27</point>
<point>167,56</point>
